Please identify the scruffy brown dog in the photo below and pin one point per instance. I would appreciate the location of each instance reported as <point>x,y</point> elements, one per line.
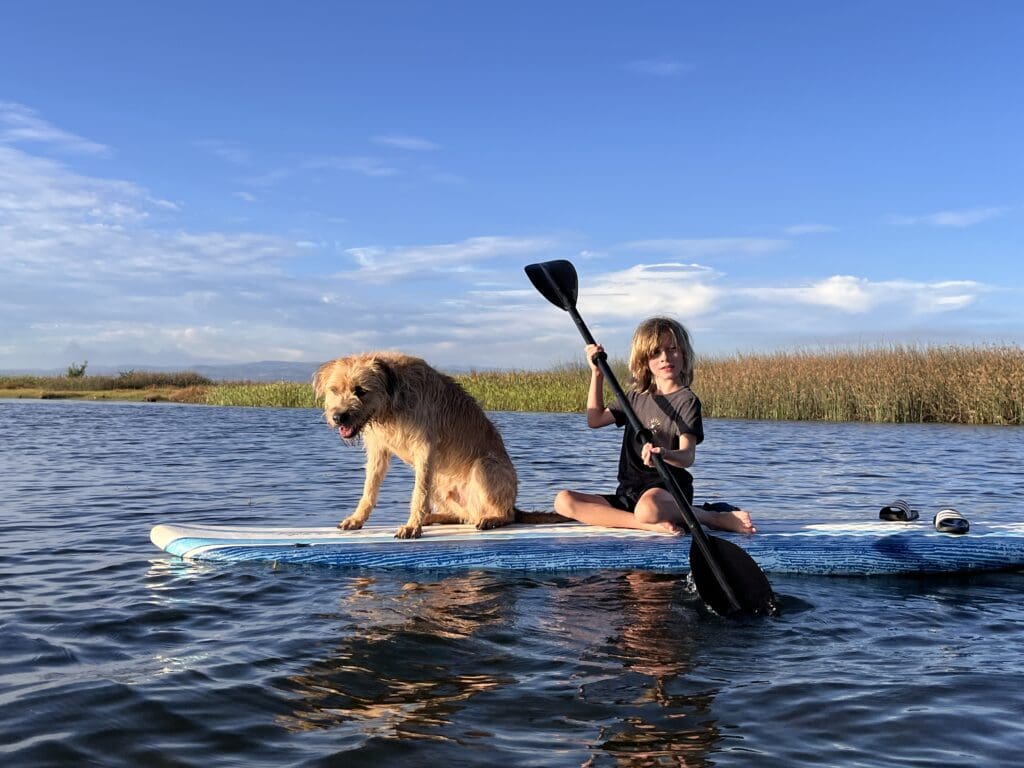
<point>403,407</point>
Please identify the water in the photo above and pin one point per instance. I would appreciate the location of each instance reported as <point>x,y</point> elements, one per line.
<point>114,654</point>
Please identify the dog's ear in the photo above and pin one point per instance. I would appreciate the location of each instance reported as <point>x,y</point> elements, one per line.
<point>320,379</point>
<point>388,376</point>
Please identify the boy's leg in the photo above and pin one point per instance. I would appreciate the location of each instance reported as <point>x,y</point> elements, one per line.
<point>592,509</point>
<point>656,506</point>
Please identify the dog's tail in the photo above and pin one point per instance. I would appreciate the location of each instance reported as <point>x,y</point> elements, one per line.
<point>539,518</point>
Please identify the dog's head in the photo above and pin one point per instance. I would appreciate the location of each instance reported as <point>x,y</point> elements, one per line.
<point>354,390</point>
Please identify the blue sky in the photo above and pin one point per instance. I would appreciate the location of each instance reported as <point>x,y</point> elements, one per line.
<point>194,182</point>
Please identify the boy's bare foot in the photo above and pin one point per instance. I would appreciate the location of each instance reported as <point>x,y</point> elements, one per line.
<point>736,520</point>
<point>665,527</point>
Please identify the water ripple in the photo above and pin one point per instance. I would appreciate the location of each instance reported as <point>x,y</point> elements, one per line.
<point>113,654</point>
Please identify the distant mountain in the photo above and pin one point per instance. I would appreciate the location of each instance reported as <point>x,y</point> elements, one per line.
<point>267,370</point>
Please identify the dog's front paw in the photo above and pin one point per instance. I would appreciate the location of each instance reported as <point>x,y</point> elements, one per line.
<point>351,523</point>
<point>409,532</point>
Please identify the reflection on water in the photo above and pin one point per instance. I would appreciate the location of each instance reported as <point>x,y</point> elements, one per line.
<point>412,659</point>
<point>396,671</point>
<point>112,653</point>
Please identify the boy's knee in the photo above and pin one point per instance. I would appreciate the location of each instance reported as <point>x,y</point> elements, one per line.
<point>563,501</point>
<point>646,511</point>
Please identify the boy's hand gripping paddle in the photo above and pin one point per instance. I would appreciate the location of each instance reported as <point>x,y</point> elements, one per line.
<point>727,578</point>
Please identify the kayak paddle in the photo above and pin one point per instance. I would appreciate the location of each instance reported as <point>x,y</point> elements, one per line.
<point>727,578</point>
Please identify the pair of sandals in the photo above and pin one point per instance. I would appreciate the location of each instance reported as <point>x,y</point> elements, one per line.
<point>946,520</point>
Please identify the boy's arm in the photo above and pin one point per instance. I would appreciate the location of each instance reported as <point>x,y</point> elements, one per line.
<point>597,414</point>
<point>683,456</point>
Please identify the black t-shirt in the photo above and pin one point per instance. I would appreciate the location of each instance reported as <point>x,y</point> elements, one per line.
<point>667,417</point>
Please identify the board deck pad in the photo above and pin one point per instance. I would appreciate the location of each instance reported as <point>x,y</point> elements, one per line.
<point>780,546</point>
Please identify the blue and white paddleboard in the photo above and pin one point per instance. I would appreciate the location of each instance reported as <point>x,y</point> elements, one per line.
<point>779,546</point>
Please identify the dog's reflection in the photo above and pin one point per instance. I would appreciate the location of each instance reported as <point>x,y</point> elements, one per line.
<point>598,665</point>
<point>402,669</point>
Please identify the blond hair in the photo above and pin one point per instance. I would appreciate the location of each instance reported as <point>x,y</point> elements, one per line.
<point>647,341</point>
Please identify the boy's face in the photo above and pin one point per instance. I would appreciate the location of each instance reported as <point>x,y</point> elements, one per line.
<point>667,360</point>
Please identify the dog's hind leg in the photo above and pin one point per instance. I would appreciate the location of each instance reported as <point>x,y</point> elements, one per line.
<point>377,462</point>
<point>493,495</point>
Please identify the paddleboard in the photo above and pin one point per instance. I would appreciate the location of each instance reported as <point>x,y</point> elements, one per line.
<point>780,546</point>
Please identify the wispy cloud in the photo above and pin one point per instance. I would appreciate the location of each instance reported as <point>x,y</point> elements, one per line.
<point>364,166</point>
<point>367,166</point>
<point>659,67</point>
<point>966,217</point>
<point>410,143</point>
<point>60,222</point>
<point>691,248</point>
<point>229,151</point>
<point>809,229</point>
<point>380,263</point>
<point>19,124</point>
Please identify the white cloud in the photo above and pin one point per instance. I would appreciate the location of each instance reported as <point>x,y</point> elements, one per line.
<point>684,290</point>
<point>19,124</point>
<point>109,272</point>
<point>959,218</point>
<point>409,143</point>
<point>857,295</point>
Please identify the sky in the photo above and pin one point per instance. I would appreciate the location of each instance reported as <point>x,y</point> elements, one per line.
<point>211,183</point>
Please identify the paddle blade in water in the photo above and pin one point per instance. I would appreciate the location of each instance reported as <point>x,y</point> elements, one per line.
<point>742,574</point>
<point>556,281</point>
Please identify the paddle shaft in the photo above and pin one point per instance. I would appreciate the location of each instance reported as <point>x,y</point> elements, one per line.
<point>700,539</point>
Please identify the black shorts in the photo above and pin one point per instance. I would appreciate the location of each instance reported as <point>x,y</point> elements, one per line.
<point>626,497</point>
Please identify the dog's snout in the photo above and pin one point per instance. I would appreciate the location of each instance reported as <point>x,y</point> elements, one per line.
<point>340,418</point>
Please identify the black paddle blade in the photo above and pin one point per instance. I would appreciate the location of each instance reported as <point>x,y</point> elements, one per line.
<point>742,574</point>
<point>556,281</point>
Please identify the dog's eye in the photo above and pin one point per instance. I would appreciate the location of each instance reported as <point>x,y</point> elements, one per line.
<point>358,392</point>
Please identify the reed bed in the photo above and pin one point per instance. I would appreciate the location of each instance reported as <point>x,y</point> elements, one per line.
<point>897,384</point>
<point>123,380</point>
<point>279,394</point>
<point>558,390</point>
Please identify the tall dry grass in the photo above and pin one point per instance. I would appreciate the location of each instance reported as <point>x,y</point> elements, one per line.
<point>279,394</point>
<point>557,390</point>
<point>897,384</point>
<point>123,380</point>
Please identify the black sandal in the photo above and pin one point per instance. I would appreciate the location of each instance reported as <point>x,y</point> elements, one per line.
<point>898,511</point>
<point>950,521</point>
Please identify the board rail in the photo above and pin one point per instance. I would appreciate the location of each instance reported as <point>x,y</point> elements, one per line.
<point>826,548</point>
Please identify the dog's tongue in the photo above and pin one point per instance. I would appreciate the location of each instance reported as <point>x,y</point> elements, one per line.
<point>345,432</point>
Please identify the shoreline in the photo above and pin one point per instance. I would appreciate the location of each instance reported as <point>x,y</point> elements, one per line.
<point>896,385</point>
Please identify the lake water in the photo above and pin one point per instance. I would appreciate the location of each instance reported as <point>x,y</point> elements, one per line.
<point>115,654</point>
